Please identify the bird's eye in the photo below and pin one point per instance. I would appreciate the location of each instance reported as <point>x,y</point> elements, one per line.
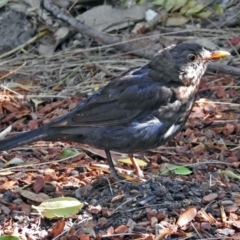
<point>191,57</point>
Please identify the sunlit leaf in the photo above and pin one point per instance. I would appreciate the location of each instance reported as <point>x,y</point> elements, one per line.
<point>218,9</point>
<point>167,168</point>
<point>69,153</point>
<point>176,21</point>
<point>187,217</point>
<point>169,5</point>
<point>140,162</point>
<point>158,2</point>
<point>182,171</point>
<point>204,14</point>
<point>59,207</point>
<point>197,8</point>
<point>188,6</point>
<point>179,4</point>
<point>230,174</point>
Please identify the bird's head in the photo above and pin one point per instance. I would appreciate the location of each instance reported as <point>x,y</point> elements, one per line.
<point>185,62</point>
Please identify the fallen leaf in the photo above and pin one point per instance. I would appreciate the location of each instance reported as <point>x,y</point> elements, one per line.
<point>7,185</point>
<point>59,207</point>
<point>187,217</point>
<point>117,198</point>
<point>176,21</point>
<point>40,197</point>
<point>140,162</point>
<point>121,229</point>
<point>38,184</point>
<point>57,228</point>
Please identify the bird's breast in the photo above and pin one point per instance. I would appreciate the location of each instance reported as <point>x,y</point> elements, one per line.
<point>183,93</point>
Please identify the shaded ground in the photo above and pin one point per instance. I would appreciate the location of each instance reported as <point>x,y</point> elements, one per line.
<point>34,93</point>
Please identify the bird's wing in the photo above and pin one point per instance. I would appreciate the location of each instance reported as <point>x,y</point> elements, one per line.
<point>123,99</point>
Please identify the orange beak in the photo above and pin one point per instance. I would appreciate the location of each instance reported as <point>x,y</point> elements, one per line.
<point>217,54</point>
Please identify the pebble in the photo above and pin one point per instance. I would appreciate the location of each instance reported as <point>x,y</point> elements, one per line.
<point>227,202</point>
<point>231,209</point>
<point>18,201</point>
<point>74,173</point>
<point>210,197</point>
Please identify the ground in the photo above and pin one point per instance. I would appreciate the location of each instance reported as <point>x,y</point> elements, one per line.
<point>48,76</point>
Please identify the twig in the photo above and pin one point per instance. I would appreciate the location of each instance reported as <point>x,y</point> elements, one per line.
<point>23,45</point>
<point>91,32</point>
<point>13,71</point>
<point>118,43</point>
<point>212,67</point>
<point>39,164</point>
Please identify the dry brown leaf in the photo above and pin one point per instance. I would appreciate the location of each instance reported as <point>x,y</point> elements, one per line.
<point>221,93</point>
<point>117,198</point>
<point>58,228</point>
<point>10,107</point>
<point>38,184</point>
<point>187,217</point>
<point>121,229</point>
<point>26,208</point>
<point>7,185</point>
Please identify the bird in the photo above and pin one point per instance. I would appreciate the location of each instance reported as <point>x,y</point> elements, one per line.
<point>141,109</point>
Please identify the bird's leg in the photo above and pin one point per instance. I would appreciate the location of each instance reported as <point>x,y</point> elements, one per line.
<point>112,167</point>
<point>138,170</point>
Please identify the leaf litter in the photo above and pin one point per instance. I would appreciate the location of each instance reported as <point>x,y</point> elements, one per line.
<point>183,205</point>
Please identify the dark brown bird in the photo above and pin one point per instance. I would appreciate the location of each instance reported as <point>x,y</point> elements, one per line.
<point>141,109</point>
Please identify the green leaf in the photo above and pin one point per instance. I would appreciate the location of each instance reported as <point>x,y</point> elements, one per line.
<point>204,14</point>
<point>230,174</point>
<point>193,10</point>
<point>176,21</point>
<point>188,6</point>
<point>218,9</point>
<point>179,4</point>
<point>158,2</point>
<point>69,153</point>
<point>59,207</point>
<point>8,237</point>
<point>169,5</point>
<point>182,171</point>
<point>167,168</point>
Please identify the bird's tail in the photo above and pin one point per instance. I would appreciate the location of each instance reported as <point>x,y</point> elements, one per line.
<point>42,133</point>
